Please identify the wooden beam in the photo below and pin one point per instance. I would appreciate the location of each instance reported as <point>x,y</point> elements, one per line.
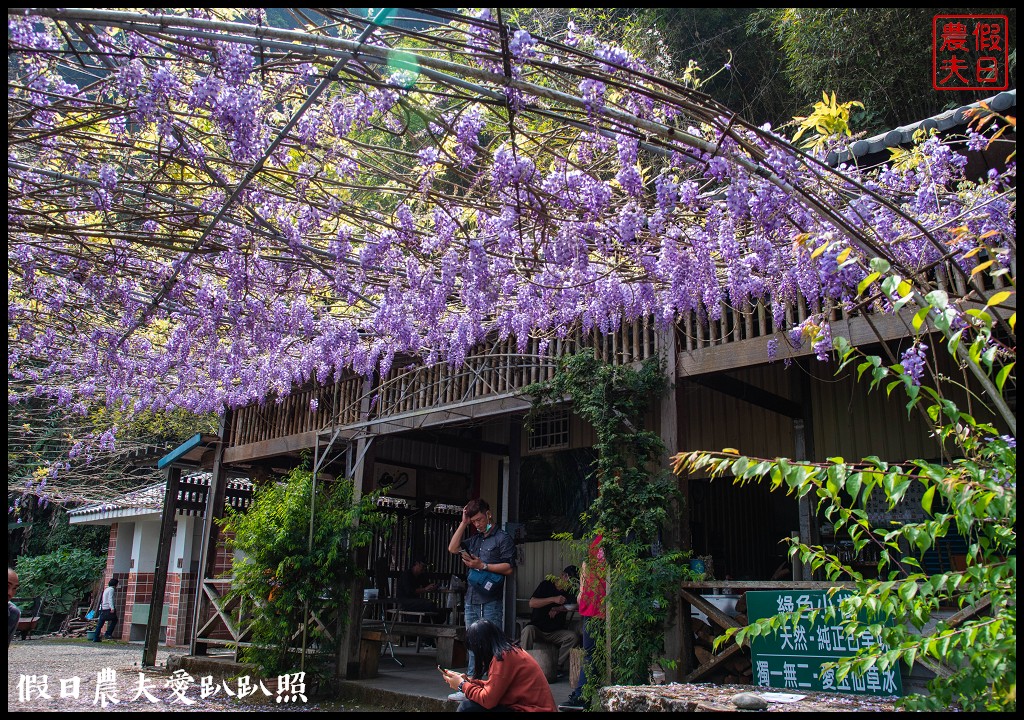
<point>712,664</point>
<point>286,445</point>
<point>754,351</point>
<point>469,444</point>
<point>712,611</point>
<point>211,531</point>
<point>486,406</point>
<point>938,667</point>
<point>970,611</point>
<point>750,393</point>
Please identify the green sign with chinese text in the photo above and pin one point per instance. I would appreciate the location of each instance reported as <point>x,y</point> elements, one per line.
<point>792,658</point>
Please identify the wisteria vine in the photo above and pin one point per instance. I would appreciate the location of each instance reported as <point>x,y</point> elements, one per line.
<point>190,227</point>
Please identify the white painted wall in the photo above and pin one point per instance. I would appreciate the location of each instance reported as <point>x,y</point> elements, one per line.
<point>124,547</point>
<point>144,546</point>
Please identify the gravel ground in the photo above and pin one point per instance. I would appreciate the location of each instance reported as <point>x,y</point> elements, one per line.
<point>40,671</point>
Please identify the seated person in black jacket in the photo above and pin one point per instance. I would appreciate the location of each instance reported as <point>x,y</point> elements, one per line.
<point>549,606</point>
<point>412,585</point>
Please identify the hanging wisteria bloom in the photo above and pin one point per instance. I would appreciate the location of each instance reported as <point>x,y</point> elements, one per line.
<point>914,361</point>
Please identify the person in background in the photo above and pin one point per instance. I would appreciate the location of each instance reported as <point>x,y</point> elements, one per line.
<point>108,612</point>
<point>515,682</point>
<point>412,585</point>
<point>490,549</point>
<point>549,608</point>
<point>591,607</point>
<point>13,613</point>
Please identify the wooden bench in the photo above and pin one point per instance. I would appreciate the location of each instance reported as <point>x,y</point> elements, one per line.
<point>433,617</point>
<point>444,635</point>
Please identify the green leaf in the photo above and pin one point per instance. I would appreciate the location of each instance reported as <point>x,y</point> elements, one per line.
<point>879,265</point>
<point>841,345</point>
<point>866,282</point>
<point>938,299</point>
<point>988,357</point>
<point>975,352</point>
<point>853,485</point>
<point>954,341</point>
<point>878,374</point>
<point>944,320</point>
<point>903,300</point>
<point>1003,374</point>
<point>927,498</point>
<point>919,318</point>
<point>999,298</point>
<point>861,368</point>
<point>890,285</point>
<point>981,316</point>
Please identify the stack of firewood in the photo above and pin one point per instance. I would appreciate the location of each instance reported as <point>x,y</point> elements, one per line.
<point>736,670</point>
<point>76,626</point>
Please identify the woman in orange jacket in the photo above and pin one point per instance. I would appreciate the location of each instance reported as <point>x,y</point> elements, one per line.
<point>515,682</point>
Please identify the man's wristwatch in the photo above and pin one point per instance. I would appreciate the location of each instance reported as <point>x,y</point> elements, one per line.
<point>461,684</point>
<point>485,566</point>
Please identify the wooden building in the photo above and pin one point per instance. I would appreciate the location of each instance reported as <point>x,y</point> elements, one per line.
<point>437,436</point>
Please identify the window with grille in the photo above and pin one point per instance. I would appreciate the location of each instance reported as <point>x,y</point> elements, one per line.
<point>550,430</point>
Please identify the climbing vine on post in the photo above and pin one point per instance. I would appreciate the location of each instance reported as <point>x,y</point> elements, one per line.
<point>280,570</point>
<point>630,510</point>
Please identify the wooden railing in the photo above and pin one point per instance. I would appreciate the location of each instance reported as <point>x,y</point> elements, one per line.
<point>496,370</point>
<point>711,345</point>
<point>229,621</point>
<point>295,414</point>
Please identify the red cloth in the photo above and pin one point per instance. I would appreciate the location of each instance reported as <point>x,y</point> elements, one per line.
<point>515,681</point>
<point>593,589</point>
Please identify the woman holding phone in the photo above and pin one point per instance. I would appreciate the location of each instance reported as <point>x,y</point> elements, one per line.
<point>515,682</point>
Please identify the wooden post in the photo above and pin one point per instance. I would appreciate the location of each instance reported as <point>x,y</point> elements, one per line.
<point>211,531</point>
<point>360,461</point>
<point>510,478</point>
<point>678,643</point>
<point>163,553</point>
<point>803,436</point>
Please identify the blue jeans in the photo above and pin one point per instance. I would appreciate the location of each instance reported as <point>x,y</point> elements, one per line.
<point>105,617</point>
<point>493,611</point>
<point>588,655</point>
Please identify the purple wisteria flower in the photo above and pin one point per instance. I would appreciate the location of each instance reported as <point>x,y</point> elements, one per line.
<point>385,225</point>
<point>913,362</point>
<point>522,45</point>
<point>467,131</point>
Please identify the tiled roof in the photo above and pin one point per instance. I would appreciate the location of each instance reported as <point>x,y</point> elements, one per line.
<point>192,492</point>
<point>905,134</point>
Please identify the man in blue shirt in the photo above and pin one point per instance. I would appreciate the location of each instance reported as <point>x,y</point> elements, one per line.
<point>489,549</point>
